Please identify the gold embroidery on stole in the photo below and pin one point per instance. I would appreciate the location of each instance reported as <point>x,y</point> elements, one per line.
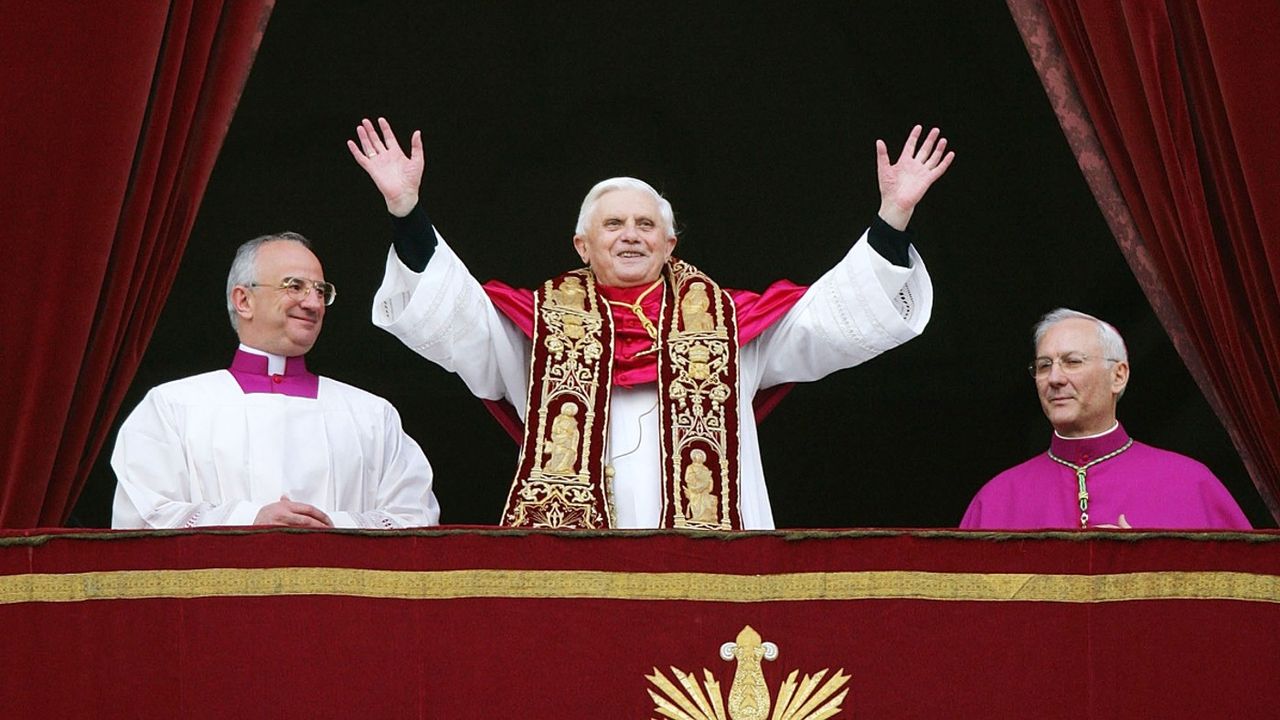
<point>562,481</point>
<point>558,482</point>
<point>698,376</point>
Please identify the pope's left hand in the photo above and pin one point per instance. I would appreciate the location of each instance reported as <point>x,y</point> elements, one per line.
<point>904,183</point>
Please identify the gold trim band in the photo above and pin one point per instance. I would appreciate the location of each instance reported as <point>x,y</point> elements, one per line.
<point>698,587</point>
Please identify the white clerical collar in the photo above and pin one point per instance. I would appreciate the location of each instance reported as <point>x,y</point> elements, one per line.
<point>1108,431</point>
<point>275,363</point>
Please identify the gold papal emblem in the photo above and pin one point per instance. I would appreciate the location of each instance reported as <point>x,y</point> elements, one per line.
<point>749,697</point>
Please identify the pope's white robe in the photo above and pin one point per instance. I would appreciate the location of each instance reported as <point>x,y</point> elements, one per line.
<point>857,310</point>
<point>200,451</point>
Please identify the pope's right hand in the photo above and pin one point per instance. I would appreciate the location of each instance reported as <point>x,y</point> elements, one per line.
<point>397,176</point>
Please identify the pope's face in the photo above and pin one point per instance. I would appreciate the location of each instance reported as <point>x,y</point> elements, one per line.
<point>1081,401</point>
<point>271,319</point>
<point>625,243</point>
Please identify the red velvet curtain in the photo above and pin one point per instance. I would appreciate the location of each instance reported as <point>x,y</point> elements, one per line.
<point>112,117</point>
<point>1170,107</point>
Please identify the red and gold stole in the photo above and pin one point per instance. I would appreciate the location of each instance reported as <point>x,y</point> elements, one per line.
<point>562,480</point>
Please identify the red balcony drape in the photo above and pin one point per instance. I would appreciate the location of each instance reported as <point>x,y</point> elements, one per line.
<point>112,117</point>
<point>1166,106</point>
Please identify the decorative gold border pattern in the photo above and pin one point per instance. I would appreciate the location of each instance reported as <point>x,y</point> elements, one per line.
<point>686,586</point>
<point>570,364</point>
<point>698,407</point>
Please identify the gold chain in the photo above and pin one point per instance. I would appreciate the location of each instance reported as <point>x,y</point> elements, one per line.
<point>1080,473</point>
<point>635,308</point>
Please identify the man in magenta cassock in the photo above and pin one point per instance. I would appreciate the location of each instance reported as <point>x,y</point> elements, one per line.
<point>1094,475</point>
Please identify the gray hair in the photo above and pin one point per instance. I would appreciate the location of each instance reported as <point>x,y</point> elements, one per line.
<point>245,266</point>
<point>624,183</point>
<point>1112,344</point>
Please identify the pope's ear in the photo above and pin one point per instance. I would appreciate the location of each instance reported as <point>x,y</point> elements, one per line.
<point>580,245</point>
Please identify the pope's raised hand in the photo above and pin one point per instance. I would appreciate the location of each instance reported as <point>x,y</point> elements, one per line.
<point>904,183</point>
<point>398,176</point>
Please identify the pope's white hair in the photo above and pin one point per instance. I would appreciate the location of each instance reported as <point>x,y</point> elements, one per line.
<point>624,183</point>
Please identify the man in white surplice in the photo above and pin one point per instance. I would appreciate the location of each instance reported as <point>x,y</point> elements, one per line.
<point>265,442</point>
<point>877,297</point>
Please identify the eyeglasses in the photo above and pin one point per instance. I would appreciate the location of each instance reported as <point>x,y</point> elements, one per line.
<point>1070,364</point>
<point>299,288</point>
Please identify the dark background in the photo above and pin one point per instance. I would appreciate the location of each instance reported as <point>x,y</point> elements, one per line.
<point>758,122</point>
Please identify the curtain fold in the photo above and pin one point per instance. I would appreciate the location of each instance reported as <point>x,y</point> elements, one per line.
<point>110,142</point>
<point>1164,104</point>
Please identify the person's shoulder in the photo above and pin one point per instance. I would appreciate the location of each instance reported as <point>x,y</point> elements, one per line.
<point>1184,466</point>
<point>345,397</point>
<point>997,494</point>
<point>350,393</point>
<point>180,395</point>
<point>1006,481</point>
<point>1018,472</point>
<point>192,386</point>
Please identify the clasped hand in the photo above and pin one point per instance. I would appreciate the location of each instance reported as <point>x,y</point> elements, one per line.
<point>294,514</point>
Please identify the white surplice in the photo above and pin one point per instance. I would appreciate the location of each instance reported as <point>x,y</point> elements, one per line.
<point>857,310</point>
<point>200,451</point>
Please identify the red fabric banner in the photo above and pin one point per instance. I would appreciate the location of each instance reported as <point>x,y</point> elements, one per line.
<point>108,143</point>
<point>457,623</point>
<point>1160,101</point>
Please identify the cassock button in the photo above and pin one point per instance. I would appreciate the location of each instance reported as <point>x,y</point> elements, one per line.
<point>277,379</point>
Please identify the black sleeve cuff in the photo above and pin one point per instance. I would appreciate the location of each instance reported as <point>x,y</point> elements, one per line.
<point>891,244</point>
<point>414,238</point>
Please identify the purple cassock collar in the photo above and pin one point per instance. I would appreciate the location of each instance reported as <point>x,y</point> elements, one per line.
<point>250,371</point>
<point>1081,451</point>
